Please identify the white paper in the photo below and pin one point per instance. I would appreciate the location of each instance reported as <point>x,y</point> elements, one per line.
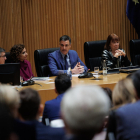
<point>95,75</point>
<point>40,78</point>
<point>75,75</point>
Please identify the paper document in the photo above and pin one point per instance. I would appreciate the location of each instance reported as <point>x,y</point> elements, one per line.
<point>96,75</point>
<point>40,78</point>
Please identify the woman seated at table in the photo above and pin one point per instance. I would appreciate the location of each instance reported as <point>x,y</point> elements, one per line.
<point>19,55</point>
<point>114,56</point>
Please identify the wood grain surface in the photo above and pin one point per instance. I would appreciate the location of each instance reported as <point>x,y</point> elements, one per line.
<point>40,23</point>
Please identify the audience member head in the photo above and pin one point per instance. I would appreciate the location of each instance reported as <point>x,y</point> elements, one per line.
<point>108,91</point>
<point>123,93</point>
<point>30,107</point>
<point>112,42</point>
<point>62,83</point>
<point>10,97</point>
<point>2,56</point>
<point>18,53</point>
<point>65,44</point>
<point>83,109</point>
<point>136,80</point>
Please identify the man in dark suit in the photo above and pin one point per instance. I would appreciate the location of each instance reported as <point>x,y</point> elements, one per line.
<point>60,60</point>
<point>52,107</point>
<point>83,110</point>
<point>128,123</point>
<point>29,112</point>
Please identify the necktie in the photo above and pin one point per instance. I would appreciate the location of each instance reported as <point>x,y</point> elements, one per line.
<point>66,63</point>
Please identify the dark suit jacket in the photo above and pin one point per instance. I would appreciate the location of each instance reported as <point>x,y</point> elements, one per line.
<point>34,130</point>
<point>128,122</point>
<point>52,109</point>
<point>56,62</point>
<point>47,133</point>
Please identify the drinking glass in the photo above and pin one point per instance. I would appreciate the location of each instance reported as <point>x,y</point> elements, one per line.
<point>96,70</point>
<point>21,80</point>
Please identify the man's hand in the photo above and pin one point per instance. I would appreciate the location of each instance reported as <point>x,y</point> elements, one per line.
<point>78,69</point>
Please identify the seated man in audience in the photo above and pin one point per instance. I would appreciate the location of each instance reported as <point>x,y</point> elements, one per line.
<point>30,109</point>
<point>2,56</point>
<point>83,109</point>
<point>128,123</point>
<point>59,60</point>
<point>52,107</point>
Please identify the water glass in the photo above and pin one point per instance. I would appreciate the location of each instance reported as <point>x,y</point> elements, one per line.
<point>96,70</point>
<point>21,80</point>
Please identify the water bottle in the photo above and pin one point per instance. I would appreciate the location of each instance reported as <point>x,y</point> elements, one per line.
<point>69,72</point>
<point>104,68</point>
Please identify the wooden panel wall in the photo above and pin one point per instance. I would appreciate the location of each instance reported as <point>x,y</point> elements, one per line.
<point>10,23</point>
<point>40,23</point>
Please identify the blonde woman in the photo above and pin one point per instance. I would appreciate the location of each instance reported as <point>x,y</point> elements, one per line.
<point>123,93</point>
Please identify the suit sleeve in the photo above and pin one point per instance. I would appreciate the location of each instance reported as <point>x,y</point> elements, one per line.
<point>53,66</point>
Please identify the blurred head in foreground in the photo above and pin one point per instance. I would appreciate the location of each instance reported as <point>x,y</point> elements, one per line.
<point>83,109</point>
<point>123,93</point>
<point>30,107</point>
<point>10,97</point>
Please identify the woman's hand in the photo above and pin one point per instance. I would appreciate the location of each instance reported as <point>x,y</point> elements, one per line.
<point>119,53</point>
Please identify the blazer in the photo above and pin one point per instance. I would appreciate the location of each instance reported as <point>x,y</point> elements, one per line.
<point>114,62</point>
<point>48,133</point>
<point>34,130</point>
<point>128,122</point>
<point>56,62</point>
<point>52,109</point>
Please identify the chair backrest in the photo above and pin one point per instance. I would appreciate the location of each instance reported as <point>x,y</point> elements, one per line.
<point>93,53</point>
<point>8,60</point>
<point>41,61</point>
<point>135,51</point>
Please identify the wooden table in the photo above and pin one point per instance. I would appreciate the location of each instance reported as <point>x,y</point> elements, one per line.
<point>47,92</point>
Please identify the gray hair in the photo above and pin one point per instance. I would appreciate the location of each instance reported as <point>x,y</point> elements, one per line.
<point>84,108</point>
<point>10,97</point>
<point>1,50</point>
